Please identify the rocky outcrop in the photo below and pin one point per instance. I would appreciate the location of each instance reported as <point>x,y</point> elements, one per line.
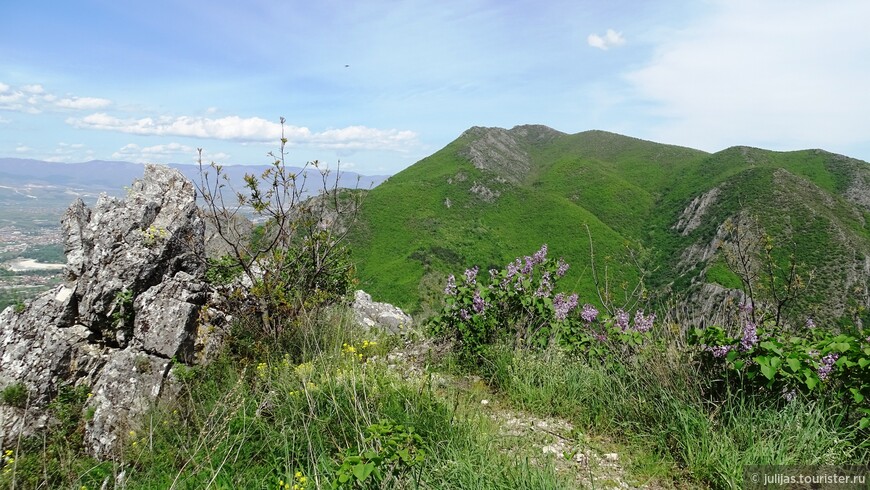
<point>371,314</point>
<point>692,216</point>
<point>130,306</point>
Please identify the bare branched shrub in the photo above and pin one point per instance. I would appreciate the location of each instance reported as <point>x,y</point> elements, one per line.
<point>293,260</point>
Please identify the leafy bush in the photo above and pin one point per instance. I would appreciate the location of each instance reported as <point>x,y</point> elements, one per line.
<point>517,304</point>
<point>295,262</point>
<point>394,450</point>
<point>772,360</point>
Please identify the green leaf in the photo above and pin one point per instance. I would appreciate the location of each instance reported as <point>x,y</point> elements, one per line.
<point>768,371</point>
<point>775,362</point>
<point>362,471</point>
<point>794,364</point>
<point>864,362</point>
<point>772,346</point>
<point>343,478</point>
<point>812,382</point>
<point>856,395</point>
<point>865,422</point>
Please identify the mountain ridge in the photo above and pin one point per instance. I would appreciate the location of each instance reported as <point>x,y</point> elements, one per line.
<point>493,194</point>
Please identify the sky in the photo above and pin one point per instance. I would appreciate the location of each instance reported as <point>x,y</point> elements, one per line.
<point>374,86</point>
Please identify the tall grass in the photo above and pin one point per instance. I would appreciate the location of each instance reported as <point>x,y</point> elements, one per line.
<point>657,403</point>
<point>289,421</point>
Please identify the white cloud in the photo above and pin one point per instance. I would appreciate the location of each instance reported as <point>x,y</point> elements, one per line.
<point>165,153</point>
<point>22,149</point>
<point>70,152</point>
<point>611,38</point>
<point>33,89</point>
<point>252,129</point>
<point>33,99</point>
<point>782,74</point>
<point>83,103</point>
<point>3,120</point>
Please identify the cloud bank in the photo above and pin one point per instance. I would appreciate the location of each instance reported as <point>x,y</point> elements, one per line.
<point>33,99</point>
<point>252,129</point>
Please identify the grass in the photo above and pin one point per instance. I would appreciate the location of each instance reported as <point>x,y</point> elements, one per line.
<point>658,406</point>
<point>260,416</point>
<point>260,421</point>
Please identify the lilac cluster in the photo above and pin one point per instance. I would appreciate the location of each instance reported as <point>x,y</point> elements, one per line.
<point>643,323</point>
<point>718,350</point>
<point>563,268</point>
<point>750,337</point>
<point>546,287</point>
<point>450,289</point>
<point>478,304</point>
<point>563,305</point>
<point>589,313</point>
<point>463,314</point>
<point>810,323</point>
<point>522,268</point>
<point>789,395</point>
<point>541,255</point>
<point>471,276</point>
<point>621,319</point>
<point>745,308</point>
<point>827,365</point>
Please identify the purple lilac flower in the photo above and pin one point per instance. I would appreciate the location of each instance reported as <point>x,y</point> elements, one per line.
<point>563,268</point>
<point>529,265</point>
<point>492,274</point>
<point>621,319</point>
<point>789,395</point>
<point>513,268</point>
<point>471,276</point>
<point>450,290</point>
<point>745,308</point>
<point>813,353</point>
<point>589,313</point>
<point>719,350</point>
<point>810,323</point>
<point>464,315</point>
<point>601,337</point>
<point>750,337</point>
<point>478,303</point>
<point>564,305</point>
<point>827,365</point>
<point>643,323</point>
<point>546,287</point>
<point>541,255</point>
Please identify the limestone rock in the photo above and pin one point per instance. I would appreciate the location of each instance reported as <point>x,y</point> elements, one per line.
<point>131,302</point>
<point>372,314</point>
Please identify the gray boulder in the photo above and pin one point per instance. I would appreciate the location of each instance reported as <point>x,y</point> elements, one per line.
<point>372,314</point>
<point>131,303</point>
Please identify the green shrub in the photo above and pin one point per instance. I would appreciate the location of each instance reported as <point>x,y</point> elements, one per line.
<point>14,395</point>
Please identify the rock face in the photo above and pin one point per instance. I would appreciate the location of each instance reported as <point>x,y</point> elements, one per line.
<point>371,314</point>
<point>134,289</point>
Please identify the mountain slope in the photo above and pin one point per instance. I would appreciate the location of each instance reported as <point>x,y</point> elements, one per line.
<point>494,194</point>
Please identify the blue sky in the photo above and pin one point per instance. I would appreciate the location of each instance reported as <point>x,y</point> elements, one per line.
<point>379,85</point>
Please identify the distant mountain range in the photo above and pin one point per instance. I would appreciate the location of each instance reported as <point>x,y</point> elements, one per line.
<point>494,194</point>
<point>25,182</point>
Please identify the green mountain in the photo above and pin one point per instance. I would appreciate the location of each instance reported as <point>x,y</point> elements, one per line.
<point>494,194</point>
